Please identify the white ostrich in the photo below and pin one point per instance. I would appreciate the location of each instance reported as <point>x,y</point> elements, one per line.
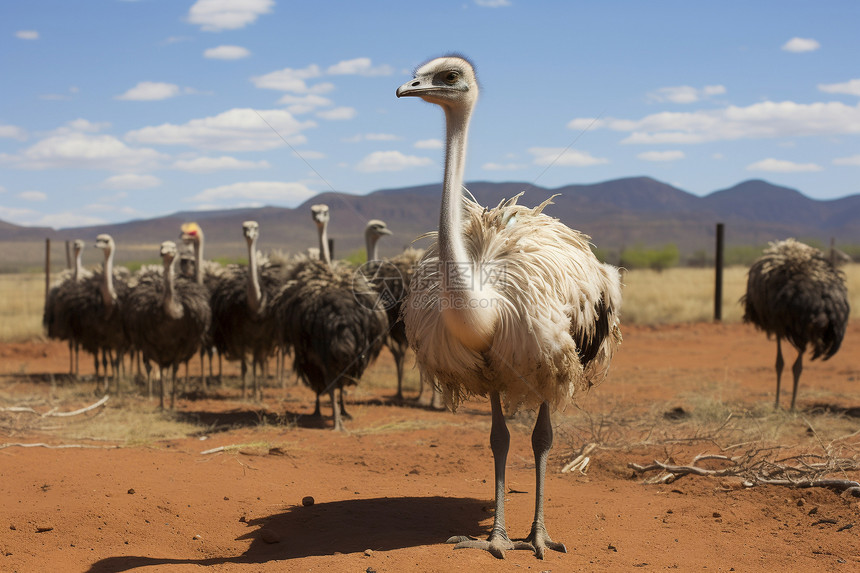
<point>508,302</point>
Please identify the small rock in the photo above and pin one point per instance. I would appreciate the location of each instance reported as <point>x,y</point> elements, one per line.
<point>12,527</point>
<point>269,536</point>
<point>43,528</point>
<point>243,519</point>
<point>131,491</point>
<point>308,500</point>
<point>226,498</point>
<point>813,511</point>
<point>368,552</point>
<point>197,537</point>
<point>717,514</point>
<point>277,452</point>
<point>612,548</point>
<point>370,570</point>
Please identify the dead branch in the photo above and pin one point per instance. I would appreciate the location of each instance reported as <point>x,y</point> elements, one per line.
<point>53,412</point>
<point>580,462</point>
<point>57,447</point>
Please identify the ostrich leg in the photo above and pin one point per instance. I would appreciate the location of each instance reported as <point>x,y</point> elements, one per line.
<point>796,370</point>
<point>779,364</point>
<point>539,539</point>
<point>498,542</point>
<point>335,410</point>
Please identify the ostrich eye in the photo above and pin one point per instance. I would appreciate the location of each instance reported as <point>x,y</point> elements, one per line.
<point>452,77</point>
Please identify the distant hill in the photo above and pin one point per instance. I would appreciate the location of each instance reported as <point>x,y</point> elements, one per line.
<point>617,214</point>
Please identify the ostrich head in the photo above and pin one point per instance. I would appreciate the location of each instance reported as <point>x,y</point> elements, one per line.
<point>78,246</point>
<point>320,215</point>
<point>105,243</point>
<point>449,82</point>
<point>191,233</point>
<point>251,230</point>
<point>376,228</point>
<point>168,252</point>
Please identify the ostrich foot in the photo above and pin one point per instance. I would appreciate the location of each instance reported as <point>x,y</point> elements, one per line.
<point>539,541</point>
<point>496,544</point>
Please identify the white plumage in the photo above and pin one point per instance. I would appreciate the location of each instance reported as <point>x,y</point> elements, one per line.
<point>508,302</point>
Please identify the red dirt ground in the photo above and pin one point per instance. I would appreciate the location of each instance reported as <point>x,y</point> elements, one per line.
<point>402,479</point>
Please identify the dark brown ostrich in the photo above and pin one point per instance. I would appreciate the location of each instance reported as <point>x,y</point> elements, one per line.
<point>166,318</point>
<point>795,292</point>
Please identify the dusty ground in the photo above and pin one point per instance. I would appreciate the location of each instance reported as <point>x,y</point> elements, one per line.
<point>403,478</point>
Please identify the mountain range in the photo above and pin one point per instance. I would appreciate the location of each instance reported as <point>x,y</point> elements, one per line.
<point>637,211</point>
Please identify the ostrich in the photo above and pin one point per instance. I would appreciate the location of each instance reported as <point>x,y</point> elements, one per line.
<point>391,280</point>
<point>242,322</point>
<point>59,305</point>
<point>795,292</point>
<point>508,302</point>
<point>168,318</point>
<point>95,312</point>
<point>208,274</point>
<point>331,318</point>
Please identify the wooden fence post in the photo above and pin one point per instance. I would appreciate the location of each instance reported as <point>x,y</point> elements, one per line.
<point>718,274</point>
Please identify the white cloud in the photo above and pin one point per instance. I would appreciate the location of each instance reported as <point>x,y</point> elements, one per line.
<point>81,125</point>
<point>83,151</point>
<point>210,164</point>
<point>429,144</point>
<point>761,120</point>
<point>564,157</point>
<point>493,3</point>
<point>504,166</point>
<point>33,196</point>
<point>131,181</point>
<point>12,132</point>
<point>218,15</point>
<point>852,160</point>
<point>851,87</point>
<point>303,103</point>
<point>685,94</point>
<point>66,220</point>
<point>238,129</point>
<point>258,192</point>
<point>150,91</point>
<point>782,166</point>
<point>17,215</point>
<point>27,35</point>
<point>661,156</point>
<point>359,66</point>
<point>227,53</point>
<point>586,123</point>
<point>337,113</point>
<point>291,80</point>
<point>390,161</point>
<point>371,137</point>
<point>801,45</point>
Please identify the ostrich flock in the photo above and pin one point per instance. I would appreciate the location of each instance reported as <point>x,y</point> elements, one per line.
<point>507,303</point>
<point>333,318</point>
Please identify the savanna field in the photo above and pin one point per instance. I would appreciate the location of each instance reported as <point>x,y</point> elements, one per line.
<point>676,461</point>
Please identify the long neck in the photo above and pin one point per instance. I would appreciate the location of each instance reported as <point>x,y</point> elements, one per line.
<point>451,246</point>
<point>108,292</point>
<point>471,313</point>
<point>78,267</point>
<point>171,307</point>
<point>198,259</point>
<point>255,294</point>
<point>370,241</point>
<point>325,254</point>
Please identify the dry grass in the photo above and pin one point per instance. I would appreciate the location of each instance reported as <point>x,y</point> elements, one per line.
<point>22,300</point>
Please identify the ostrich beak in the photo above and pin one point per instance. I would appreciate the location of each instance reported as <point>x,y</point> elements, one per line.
<point>415,87</point>
<point>384,231</point>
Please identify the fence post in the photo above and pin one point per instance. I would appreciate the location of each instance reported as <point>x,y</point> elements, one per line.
<point>718,274</point>
<point>47,268</point>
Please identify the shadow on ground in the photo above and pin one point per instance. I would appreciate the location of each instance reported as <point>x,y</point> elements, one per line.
<point>351,526</point>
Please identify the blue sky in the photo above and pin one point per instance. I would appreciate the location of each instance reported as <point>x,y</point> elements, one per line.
<point>114,110</point>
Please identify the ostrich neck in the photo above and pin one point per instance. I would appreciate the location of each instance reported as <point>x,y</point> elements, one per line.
<point>255,295</point>
<point>198,259</point>
<point>78,266</point>
<point>370,243</point>
<point>469,312</point>
<point>108,292</point>
<point>325,254</point>
<point>171,307</point>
